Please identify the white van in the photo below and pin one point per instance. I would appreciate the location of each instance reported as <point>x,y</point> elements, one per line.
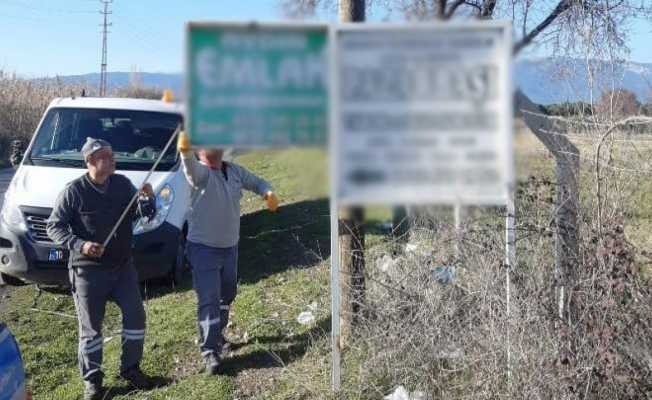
<point>138,131</point>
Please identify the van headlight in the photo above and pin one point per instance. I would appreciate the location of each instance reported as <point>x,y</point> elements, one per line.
<point>12,217</point>
<point>164,200</point>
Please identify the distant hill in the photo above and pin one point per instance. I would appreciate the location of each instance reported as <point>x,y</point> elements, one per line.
<point>122,79</point>
<point>555,80</point>
<point>545,80</point>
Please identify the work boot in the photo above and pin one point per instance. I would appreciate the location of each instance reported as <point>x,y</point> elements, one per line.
<point>137,379</point>
<point>227,347</point>
<point>212,364</point>
<point>93,390</point>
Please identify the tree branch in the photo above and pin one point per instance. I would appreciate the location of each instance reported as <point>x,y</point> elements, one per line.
<point>525,15</point>
<point>476,6</point>
<point>488,8</point>
<point>562,7</point>
<point>453,7</point>
<point>441,9</point>
<point>546,129</point>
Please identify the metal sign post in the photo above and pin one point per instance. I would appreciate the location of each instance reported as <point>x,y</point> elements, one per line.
<point>510,218</point>
<point>335,265</point>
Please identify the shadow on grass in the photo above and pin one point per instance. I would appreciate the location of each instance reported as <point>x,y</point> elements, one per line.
<point>297,236</point>
<point>377,227</point>
<point>260,359</point>
<point>115,391</point>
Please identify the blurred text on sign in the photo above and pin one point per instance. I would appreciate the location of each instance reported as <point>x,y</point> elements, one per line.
<point>422,113</point>
<point>257,85</point>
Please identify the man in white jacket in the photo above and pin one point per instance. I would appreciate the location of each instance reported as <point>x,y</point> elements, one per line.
<point>213,235</point>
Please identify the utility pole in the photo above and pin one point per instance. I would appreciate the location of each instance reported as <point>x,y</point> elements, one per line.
<point>105,25</point>
<point>351,228</point>
<point>351,246</point>
<point>351,10</point>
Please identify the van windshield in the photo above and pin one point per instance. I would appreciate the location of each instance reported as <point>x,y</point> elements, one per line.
<point>137,137</point>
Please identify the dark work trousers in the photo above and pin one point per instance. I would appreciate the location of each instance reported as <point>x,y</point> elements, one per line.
<point>92,287</point>
<point>214,277</point>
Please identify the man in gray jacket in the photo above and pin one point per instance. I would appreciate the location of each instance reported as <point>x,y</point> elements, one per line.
<point>213,235</point>
<point>83,217</point>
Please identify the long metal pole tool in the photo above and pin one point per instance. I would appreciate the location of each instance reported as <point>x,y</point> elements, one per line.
<point>149,174</point>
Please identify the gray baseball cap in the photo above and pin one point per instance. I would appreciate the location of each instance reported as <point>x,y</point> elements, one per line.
<point>92,145</point>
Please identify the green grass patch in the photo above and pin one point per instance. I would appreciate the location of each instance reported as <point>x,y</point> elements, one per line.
<point>283,271</point>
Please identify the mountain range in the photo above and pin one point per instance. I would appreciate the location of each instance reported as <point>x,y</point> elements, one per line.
<point>544,80</point>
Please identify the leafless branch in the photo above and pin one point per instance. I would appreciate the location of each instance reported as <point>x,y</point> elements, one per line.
<point>562,6</point>
<point>453,7</point>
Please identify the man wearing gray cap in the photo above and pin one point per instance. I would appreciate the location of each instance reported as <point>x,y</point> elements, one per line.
<point>83,217</point>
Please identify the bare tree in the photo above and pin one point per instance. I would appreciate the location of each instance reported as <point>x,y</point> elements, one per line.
<point>137,88</point>
<point>138,92</point>
<point>569,27</point>
<point>618,103</point>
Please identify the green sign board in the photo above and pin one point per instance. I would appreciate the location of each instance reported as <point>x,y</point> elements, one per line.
<point>256,85</point>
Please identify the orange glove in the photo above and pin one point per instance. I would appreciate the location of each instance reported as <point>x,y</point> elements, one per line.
<point>183,143</point>
<point>272,201</point>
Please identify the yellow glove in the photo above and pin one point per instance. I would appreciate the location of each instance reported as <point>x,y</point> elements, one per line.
<point>272,201</point>
<point>183,143</point>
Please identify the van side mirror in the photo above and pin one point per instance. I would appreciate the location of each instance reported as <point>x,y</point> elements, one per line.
<point>17,153</point>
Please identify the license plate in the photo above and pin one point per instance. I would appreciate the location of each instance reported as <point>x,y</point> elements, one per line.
<point>55,255</point>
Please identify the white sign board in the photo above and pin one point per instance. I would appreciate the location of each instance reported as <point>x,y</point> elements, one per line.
<point>422,113</point>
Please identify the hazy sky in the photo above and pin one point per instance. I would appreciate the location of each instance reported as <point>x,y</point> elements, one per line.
<point>62,37</point>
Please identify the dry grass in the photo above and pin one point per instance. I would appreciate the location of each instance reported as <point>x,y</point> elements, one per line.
<point>452,340</point>
<point>457,340</point>
<point>23,101</point>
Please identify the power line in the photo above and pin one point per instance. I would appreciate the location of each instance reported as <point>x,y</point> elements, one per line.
<point>105,25</point>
